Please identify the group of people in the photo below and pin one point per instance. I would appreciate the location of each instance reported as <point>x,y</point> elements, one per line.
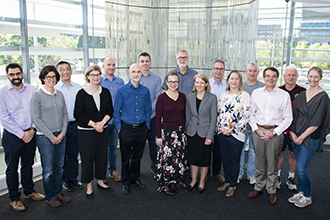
<point>194,126</point>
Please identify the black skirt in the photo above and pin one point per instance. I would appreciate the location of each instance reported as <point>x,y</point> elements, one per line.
<point>198,153</point>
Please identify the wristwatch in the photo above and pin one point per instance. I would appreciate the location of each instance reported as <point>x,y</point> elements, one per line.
<point>274,133</point>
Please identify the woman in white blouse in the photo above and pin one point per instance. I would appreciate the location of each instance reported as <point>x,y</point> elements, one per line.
<point>233,115</point>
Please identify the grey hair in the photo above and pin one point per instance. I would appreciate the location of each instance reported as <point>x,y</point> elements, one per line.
<point>183,51</point>
<point>253,64</point>
<point>291,67</point>
<point>219,61</point>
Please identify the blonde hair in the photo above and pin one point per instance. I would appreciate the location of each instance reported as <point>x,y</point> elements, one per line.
<point>240,86</point>
<point>205,79</point>
<point>91,69</point>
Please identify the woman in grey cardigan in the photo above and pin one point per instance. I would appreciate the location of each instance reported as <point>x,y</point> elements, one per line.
<point>50,116</point>
<point>201,117</point>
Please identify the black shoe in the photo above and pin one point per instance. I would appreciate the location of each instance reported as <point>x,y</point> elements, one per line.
<point>139,183</point>
<point>126,189</point>
<point>90,196</point>
<point>109,189</point>
<point>66,186</point>
<point>200,190</point>
<point>76,184</point>
<point>189,187</point>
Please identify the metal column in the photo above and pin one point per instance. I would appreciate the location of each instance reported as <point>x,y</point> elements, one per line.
<point>24,41</point>
<point>290,37</point>
<point>85,33</point>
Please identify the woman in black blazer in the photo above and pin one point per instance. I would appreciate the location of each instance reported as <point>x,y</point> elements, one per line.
<point>201,116</point>
<point>93,110</point>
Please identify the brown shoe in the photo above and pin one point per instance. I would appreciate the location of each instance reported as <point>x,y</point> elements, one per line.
<point>255,193</point>
<point>223,187</point>
<point>17,206</point>
<point>35,196</point>
<point>54,203</point>
<point>230,192</point>
<point>115,175</point>
<point>272,198</point>
<point>220,178</point>
<point>62,198</point>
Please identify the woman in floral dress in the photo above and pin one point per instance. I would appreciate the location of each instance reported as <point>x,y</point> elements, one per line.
<point>234,114</point>
<point>171,137</point>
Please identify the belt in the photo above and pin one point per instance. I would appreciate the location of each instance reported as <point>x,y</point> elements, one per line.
<point>267,127</point>
<point>32,128</point>
<point>134,125</point>
<point>72,122</point>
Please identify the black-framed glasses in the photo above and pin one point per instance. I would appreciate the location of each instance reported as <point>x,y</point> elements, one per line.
<point>182,58</point>
<point>11,75</point>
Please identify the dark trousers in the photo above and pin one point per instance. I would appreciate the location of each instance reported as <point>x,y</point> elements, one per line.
<point>94,154</point>
<point>231,149</point>
<point>15,149</point>
<point>132,141</point>
<point>152,133</point>
<point>216,164</point>
<point>70,169</point>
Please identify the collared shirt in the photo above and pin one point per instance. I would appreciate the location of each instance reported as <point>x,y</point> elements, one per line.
<point>112,86</point>
<point>270,108</point>
<point>69,95</point>
<point>217,89</point>
<point>132,105</point>
<point>15,113</point>
<point>186,80</point>
<point>153,82</point>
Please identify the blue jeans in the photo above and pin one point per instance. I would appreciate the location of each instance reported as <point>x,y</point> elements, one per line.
<point>304,157</point>
<point>112,147</point>
<point>52,161</point>
<point>251,164</point>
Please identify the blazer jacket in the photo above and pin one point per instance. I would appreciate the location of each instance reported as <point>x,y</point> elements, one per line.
<point>202,122</point>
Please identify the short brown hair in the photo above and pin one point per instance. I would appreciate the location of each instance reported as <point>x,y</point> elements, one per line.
<point>47,69</point>
<point>205,79</point>
<point>240,86</point>
<point>317,69</point>
<point>91,69</point>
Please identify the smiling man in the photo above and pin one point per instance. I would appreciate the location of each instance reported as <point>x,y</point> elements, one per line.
<point>132,120</point>
<point>271,115</point>
<point>18,141</point>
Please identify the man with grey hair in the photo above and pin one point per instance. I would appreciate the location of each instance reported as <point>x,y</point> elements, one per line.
<point>186,75</point>
<point>290,77</point>
<point>251,83</point>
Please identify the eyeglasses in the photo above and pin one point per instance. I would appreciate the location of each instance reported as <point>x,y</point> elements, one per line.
<point>63,70</point>
<point>50,77</point>
<point>172,82</point>
<point>11,75</point>
<point>219,69</point>
<point>182,58</point>
<point>94,75</point>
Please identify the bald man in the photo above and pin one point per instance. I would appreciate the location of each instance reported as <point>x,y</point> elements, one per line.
<point>132,120</point>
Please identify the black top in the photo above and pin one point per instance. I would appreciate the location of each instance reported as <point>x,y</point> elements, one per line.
<point>294,92</point>
<point>86,110</point>
<point>198,103</point>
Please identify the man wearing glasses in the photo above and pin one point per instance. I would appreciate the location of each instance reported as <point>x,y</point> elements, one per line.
<point>69,90</point>
<point>18,141</point>
<point>218,86</point>
<point>186,75</point>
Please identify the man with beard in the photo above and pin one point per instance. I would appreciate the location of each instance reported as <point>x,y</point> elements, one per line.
<point>132,120</point>
<point>153,82</point>
<point>186,75</point>
<point>18,141</point>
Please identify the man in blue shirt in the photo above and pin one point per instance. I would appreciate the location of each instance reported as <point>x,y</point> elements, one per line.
<point>186,75</point>
<point>69,90</point>
<point>153,83</point>
<point>112,83</point>
<point>132,120</point>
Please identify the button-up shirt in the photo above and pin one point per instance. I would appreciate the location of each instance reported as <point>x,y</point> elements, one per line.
<point>153,82</point>
<point>69,95</point>
<point>270,108</point>
<point>112,86</point>
<point>186,80</point>
<point>132,105</point>
<point>217,89</point>
<point>15,113</point>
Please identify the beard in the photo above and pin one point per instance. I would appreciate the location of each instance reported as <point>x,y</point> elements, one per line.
<point>182,65</point>
<point>16,82</point>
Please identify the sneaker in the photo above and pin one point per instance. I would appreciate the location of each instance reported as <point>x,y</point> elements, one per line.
<point>240,177</point>
<point>252,179</point>
<point>291,184</point>
<point>295,198</point>
<point>303,202</point>
<point>17,206</point>
<point>279,182</point>
<point>35,196</point>
<point>115,175</point>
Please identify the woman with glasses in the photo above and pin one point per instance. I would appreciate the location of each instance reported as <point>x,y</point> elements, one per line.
<point>93,110</point>
<point>310,125</point>
<point>49,114</point>
<point>171,137</point>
